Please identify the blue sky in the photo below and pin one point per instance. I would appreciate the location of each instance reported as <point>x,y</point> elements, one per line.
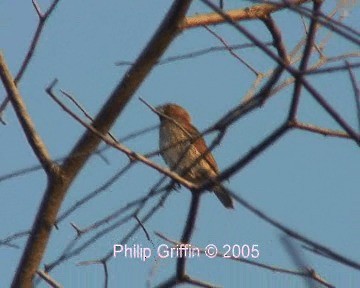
<point>308,182</point>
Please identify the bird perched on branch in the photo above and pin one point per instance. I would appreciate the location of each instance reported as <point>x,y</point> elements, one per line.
<point>184,149</point>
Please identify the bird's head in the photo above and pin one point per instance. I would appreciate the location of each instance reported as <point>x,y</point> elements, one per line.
<point>175,112</point>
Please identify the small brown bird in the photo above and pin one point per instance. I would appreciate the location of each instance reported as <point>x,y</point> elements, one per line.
<point>181,147</point>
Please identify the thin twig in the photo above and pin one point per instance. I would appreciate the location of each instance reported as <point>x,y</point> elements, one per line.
<point>195,54</point>
<point>34,42</point>
<point>94,193</point>
<point>34,168</point>
<point>251,262</point>
<point>119,146</point>
<point>48,279</point>
<point>228,48</point>
<point>143,228</point>
<point>331,69</point>
<point>296,235</point>
<point>331,111</point>
<point>7,241</point>
<point>319,130</point>
<point>297,258</point>
<point>356,89</point>
<point>187,232</point>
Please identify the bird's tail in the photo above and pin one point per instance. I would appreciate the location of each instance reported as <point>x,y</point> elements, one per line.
<point>224,196</point>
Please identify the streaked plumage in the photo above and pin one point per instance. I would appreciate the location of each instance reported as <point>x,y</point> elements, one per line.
<point>178,133</point>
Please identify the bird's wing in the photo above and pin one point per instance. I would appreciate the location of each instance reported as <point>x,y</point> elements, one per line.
<point>202,147</point>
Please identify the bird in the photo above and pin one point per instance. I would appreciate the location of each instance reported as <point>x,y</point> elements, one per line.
<point>184,150</point>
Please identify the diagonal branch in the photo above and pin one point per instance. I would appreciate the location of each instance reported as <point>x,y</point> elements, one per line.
<point>291,70</point>
<point>292,233</point>
<point>356,92</point>
<point>255,263</point>
<point>227,46</point>
<point>123,93</point>
<point>35,40</point>
<point>248,157</point>
<point>113,143</point>
<point>58,186</point>
<point>45,276</point>
<point>328,22</point>
<point>310,40</point>
<point>22,114</point>
<point>194,54</point>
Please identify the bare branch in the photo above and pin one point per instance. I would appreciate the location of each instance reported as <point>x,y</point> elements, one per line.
<point>291,70</point>
<point>127,87</point>
<point>254,263</point>
<point>319,130</point>
<point>327,251</point>
<point>7,241</point>
<point>304,61</point>
<point>231,50</point>
<point>143,228</point>
<point>331,69</point>
<point>48,279</point>
<point>38,9</point>
<point>94,193</point>
<point>260,11</point>
<point>89,141</point>
<point>297,258</point>
<point>328,22</point>
<point>187,232</point>
<point>251,155</point>
<point>356,89</point>
<point>33,168</point>
<point>34,42</point>
<point>22,114</point>
<point>294,67</point>
<point>77,104</point>
<point>120,147</point>
<point>194,54</point>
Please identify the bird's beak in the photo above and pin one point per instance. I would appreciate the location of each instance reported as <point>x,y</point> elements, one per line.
<point>160,110</point>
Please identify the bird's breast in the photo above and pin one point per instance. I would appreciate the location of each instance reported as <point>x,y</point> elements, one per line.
<point>173,142</point>
<point>180,154</point>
